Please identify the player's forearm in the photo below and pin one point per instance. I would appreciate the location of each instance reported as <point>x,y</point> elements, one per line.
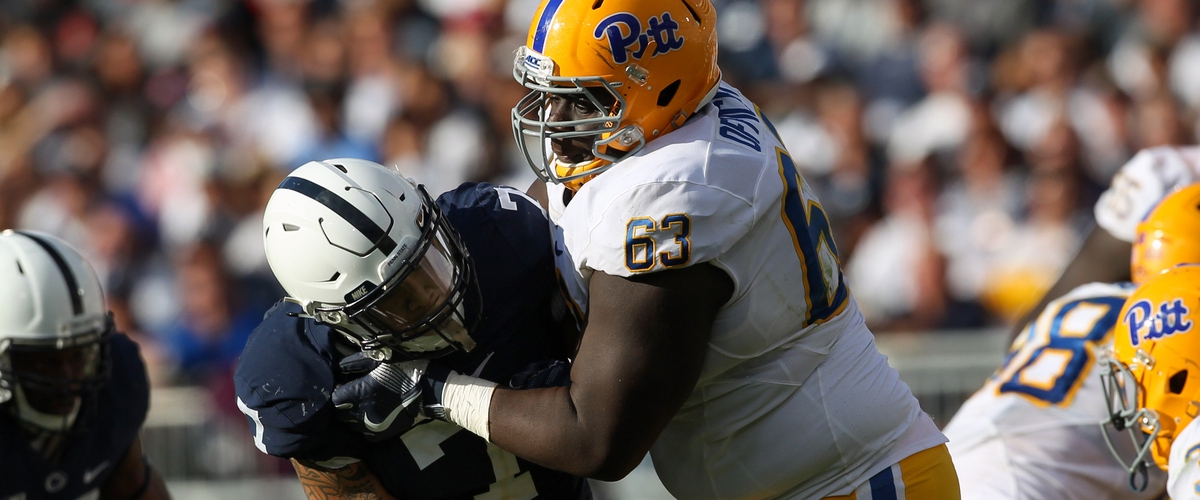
<point>549,427</point>
<point>638,361</point>
<point>626,385</point>
<point>592,428</point>
<point>352,482</point>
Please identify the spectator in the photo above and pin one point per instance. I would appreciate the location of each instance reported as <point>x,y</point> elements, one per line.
<point>896,272</point>
<point>215,320</point>
<point>977,210</point>
<point>940,121</point>
<point>1035,251</point>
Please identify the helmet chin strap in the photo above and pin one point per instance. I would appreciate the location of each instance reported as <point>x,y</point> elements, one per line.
<point>356,335</point>
<point>44,421</point>
<point>428,342</point>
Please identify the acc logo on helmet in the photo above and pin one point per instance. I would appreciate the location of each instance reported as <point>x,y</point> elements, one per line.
<point>1144,324</point>
<point>624,30</point>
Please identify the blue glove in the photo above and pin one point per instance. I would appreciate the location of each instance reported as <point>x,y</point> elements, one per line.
<point>384,403</point>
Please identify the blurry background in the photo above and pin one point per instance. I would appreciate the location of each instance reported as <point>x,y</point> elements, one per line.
<point>958,146</point>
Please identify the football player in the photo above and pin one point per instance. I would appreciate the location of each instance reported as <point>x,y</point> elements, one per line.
<point>720,334</point>
<point>372,264</point>
<point>73,392</point>
<point>1030,431</point>
<point>1150,380</point>
<point>1138,186</point>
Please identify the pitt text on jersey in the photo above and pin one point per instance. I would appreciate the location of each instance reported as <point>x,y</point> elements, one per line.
<point>624,30</point>
<point>1172,318</point>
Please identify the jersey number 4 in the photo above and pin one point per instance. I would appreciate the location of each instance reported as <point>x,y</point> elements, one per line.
<point>1049,360</point>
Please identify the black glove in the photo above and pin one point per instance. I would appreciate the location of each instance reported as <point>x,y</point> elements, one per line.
<point>384,403</point>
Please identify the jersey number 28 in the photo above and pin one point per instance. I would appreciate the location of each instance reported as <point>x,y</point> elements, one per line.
<point>1049,359</point>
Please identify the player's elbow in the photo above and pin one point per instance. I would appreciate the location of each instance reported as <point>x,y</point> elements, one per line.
<point>612,472</point>
<point>610,461</point>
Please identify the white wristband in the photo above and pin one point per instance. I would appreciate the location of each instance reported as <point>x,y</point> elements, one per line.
<point>467,401</point>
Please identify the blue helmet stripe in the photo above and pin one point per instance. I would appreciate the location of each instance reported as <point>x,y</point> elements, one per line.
<point>378,236</point>
<point>74,291</point>
<point>539,37</point>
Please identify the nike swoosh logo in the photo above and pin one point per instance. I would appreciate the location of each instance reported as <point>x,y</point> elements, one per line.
<point>479,369</point>
<point>387,422</point>
<point>90,475</point>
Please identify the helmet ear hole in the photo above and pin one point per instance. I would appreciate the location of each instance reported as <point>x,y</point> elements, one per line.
<point>667,94</point>
<point>1176,382</point>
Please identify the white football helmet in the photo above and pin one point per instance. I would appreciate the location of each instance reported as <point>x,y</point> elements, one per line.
<point>368,252</point>
<point>54,332</point>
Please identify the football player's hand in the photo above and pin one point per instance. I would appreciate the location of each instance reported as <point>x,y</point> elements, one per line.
<point>384,403</point>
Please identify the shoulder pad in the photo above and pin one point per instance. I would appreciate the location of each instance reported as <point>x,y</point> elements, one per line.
<point>129,385</point>
<point>502,220</point>
<point>284,381</point>
<point>654,226</point>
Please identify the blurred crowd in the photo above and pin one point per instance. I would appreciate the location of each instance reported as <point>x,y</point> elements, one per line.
<point>958,145</point>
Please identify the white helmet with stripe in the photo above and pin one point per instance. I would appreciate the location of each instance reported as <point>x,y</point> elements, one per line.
<point>369,252</point>
<point>54,331</point>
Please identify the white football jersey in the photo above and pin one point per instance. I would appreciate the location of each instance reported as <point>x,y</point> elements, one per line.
<point>794,400</point>
<point>1184,464</point>
<point>1144,180</point>
<point>1032,431</point>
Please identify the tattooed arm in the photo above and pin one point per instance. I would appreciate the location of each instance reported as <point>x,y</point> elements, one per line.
<point>352,482</point>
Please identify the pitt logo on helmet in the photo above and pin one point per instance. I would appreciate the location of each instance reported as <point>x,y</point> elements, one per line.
<point>1144,324</point>
<point>623,30</point>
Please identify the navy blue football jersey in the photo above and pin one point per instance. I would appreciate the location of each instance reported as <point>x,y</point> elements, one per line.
<point>288,370</point>
<point>89,457</point>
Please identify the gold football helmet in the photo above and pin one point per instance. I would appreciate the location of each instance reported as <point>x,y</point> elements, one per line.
<point>1150,378</point>
<point>644,66</point>
<point>1168,236</point>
